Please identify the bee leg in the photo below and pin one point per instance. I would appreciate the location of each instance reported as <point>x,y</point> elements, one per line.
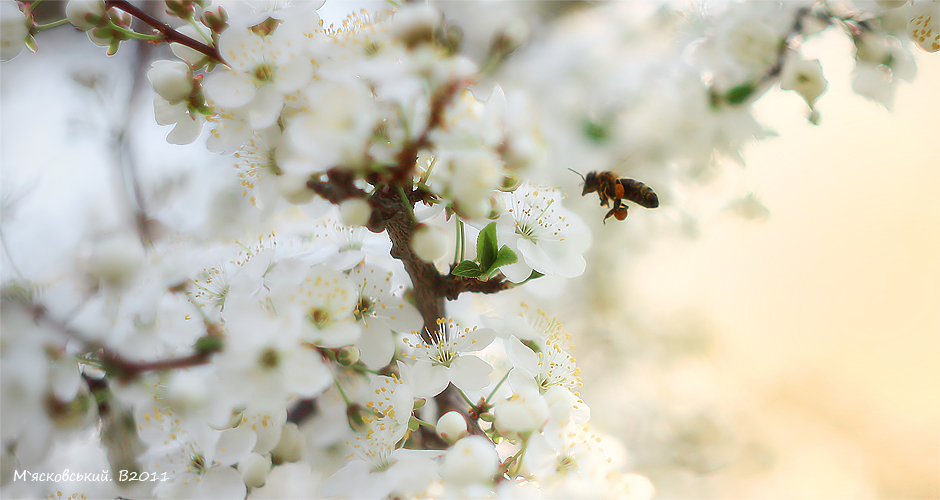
<point>621,213</point>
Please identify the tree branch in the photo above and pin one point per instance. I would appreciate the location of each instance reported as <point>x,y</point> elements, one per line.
<point>116,365</point>
<point>455,285</point>
<point>389,213</point>
<point>170,34</point>
<point>408,157</point>
<point>339,186</point>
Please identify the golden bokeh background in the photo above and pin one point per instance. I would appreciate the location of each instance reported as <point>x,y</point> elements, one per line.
<point>824,318</point>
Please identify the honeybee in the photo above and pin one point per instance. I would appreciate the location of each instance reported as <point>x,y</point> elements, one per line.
<point>610,187</point>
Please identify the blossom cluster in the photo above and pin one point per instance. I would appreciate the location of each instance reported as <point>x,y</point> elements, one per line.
<point>305,339</point>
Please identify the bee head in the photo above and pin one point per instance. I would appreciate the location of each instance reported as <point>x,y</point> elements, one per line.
<point>590,183</point>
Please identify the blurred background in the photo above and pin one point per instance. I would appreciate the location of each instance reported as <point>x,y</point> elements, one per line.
<point>788,348</point>
<point>792,346</point>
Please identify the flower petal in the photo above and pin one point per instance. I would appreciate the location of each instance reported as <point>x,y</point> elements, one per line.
<point>235,444</point>
<point>345,479</point>
<point>521,356</point>
<point>470,373</point>
<point>221,483</point>
<point>376,345</point>
<point>229,89</point>
<point>265,108</point>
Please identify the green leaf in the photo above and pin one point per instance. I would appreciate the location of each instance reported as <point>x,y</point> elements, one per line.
<point>486,246</point>
<point>413,424</point>
<point>208,343</point>
<point>505,256</point>
<point>467,269</point>
<point>740,93</point>
<point>533,275</point>
<point>596,132</point>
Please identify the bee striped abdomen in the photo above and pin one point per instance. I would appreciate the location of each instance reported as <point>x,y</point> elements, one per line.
<point>638,193</point>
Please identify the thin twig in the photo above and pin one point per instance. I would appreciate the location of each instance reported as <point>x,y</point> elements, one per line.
<point>171,35</point>
<point>113,363</point>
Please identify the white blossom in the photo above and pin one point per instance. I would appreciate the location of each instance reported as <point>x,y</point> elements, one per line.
<point>321,300</point>
<point>172,80</point>
<point>259,71</point>
<point>547,237</point>
<point>378,467</point>
<point>187,124</point>
<point>343,247</point>
<point>381,313</point>
<point>470,460</point>
<point>263,361</point>
<point>446,358</point>
<point>803,77</point>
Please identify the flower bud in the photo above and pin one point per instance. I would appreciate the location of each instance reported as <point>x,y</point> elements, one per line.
<point>183,9</point>
<point>290,447</point>
<point>254,469</point>
<point>472,460</point>
<point>85,14</point>
<point>13,30</point>
<point>173,80</point>
<point>429,242</point>
<point>355,212</point>
<point>452,426</point>
<point>347,356</point>
<point>474,210</point>
<point>520,415</point>
<point>216,18</point>
<point>497,206</point>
